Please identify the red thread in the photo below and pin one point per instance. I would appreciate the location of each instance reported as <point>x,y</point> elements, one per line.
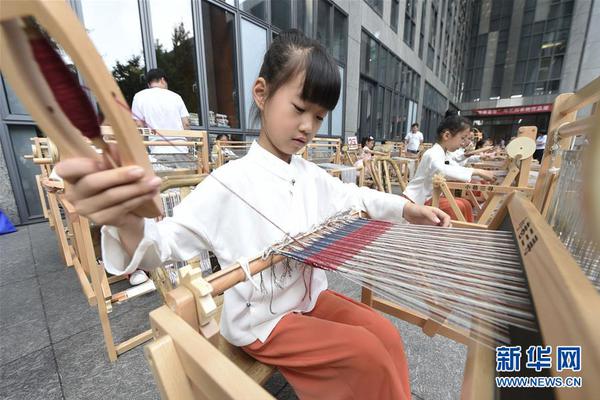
<point>339,251</point>
<point>67,91</point>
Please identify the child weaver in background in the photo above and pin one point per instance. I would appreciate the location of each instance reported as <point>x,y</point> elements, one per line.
<point>451,134</point>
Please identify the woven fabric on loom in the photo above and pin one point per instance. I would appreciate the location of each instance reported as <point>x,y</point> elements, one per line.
<point>477,284</point>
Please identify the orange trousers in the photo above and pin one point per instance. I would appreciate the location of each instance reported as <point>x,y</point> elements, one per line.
<point>465,206</point>
<point>342,349</point>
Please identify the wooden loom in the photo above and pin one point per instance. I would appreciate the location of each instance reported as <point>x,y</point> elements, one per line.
<point>195,141</point>
<point>563,316</point>
<point>76,240</point>
<point>45,154</point>
<point>26,75</point>
<point>516,179</point>
<point>566,305</point>
<point>63,118</point>
<point>240,148</point>
<point>327,154</point>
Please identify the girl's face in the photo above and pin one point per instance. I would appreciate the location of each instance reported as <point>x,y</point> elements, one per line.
<point>289,122</point>
<point>452,143</point>
<point>370,144</point>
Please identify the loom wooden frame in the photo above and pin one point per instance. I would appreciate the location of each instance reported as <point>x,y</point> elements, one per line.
<point>379,167</point>
<point>562,129</point>
<point>197,140</point>
<point>554,277</point>
<point>229,144</point>
<point>25,77</point>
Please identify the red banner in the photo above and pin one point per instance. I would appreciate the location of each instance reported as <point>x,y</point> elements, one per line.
<point>533,109</point>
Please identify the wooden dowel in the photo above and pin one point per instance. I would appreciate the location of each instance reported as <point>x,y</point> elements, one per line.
<point>588,94</point>
<point>575,128</point>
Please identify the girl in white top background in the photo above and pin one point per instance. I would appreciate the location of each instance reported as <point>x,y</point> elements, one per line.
<point>325,344</point>
<point>451,134</point>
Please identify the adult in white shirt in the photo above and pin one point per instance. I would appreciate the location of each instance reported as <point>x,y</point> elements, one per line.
<point>413,139</point>
<point>159,108</point>
<point>540,145</point>
<point>452,133</point>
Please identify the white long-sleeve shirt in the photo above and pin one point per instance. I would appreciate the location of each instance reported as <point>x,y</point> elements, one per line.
<point>458,157</point>
<point>295,196</point>
<point>433,162</point>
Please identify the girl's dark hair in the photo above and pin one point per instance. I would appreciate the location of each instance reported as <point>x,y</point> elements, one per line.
<point>365,139</point>
<point>453,124</point>
<point>479,144</point>
<point>292,53</point>
<point>222,136</point>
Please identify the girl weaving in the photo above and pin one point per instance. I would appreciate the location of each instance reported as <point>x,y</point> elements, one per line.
<point>452,133</point>
<point>326,345</point>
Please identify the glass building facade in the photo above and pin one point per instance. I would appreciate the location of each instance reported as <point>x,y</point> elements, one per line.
<point>401,61</point>
<point>516,58</point>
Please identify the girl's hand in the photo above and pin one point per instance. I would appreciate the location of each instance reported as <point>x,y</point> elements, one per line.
<point>107,196</point>
<point>425,215</point>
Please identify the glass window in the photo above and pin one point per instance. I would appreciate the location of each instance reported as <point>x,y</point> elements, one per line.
<point>422,28</point>
<point>221,69</point>
<point>118,38</point>
<point>367,103</point>
<point>394,16</point>
<point>254,47</point>
<point>410,20</point>
<point>281,13</point>
<point>386,115</point>
<point>324,128</point>
<point>21,145</point>
<point>556,67</point>
<point>339,36</point>
<point>14,104</point>
<point>175,48</point>
<point>337,115</point>
<point>379,112</point>
<point>305,16</point>
<point>383,60</point>
<point>376,5</point>
<point>323,24</point>
<point>254,7</point>
<point>372,57</point>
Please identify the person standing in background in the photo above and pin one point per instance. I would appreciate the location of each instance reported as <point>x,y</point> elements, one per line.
<point>540,145</point>
<point>413,139</point>
<point>159,108</point>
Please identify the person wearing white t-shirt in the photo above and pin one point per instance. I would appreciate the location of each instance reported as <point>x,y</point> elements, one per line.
<point>159,108</point>
<point>413,139</point>
<point>540,145</point>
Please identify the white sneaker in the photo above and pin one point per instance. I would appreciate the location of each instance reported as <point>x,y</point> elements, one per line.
<point>138,277</point>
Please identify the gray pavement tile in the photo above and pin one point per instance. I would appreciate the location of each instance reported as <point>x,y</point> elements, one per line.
<point>31,377</point>
<point>87,374</point>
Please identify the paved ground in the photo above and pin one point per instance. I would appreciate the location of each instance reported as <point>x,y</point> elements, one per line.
<point>52,347</point>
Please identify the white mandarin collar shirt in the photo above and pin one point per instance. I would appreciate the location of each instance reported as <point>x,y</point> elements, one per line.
<point>433,162</point>
<point>296,196</point>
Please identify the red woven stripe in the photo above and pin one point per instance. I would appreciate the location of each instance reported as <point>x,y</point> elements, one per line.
<point>339,250</point>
